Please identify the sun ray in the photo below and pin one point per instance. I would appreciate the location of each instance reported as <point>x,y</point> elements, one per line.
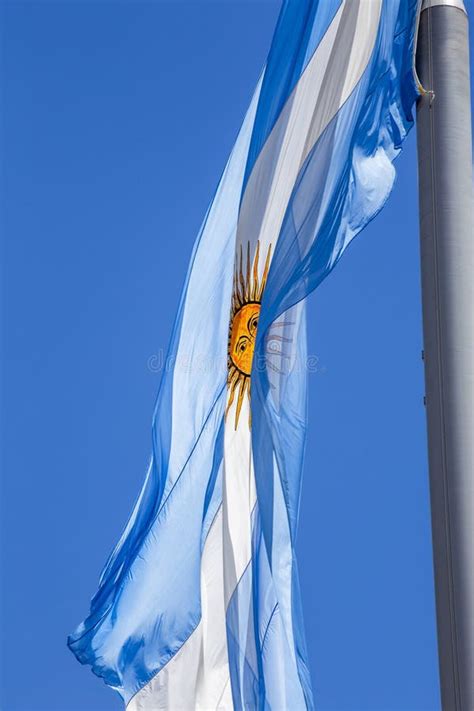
<point>233,376</point>
<point>240,399</point>
<point>231,400</point>
<point>280,354</point>
<point>274,368</point>
<point>238,297</point>
<point>255,272</point>
<point>248,284</point>
<point>241,277</point>
<point>265,273</point>
<point>283,323</point>
<point>233,384</point>
<point>280,339</point>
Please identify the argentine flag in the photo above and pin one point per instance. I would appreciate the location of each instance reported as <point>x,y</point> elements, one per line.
<point>198,606</point>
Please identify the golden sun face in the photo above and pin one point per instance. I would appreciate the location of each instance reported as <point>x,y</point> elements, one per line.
<point>245,312</point>
<point>242,337</point>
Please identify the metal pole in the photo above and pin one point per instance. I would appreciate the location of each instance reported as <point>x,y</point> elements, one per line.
<point>447,271</point>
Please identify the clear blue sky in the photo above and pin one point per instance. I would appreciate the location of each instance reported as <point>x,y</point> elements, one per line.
<point>117,121</point>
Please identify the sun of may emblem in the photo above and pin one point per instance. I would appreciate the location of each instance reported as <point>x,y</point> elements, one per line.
<point>245,312</point>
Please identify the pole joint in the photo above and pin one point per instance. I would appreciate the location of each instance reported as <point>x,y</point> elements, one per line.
<point>428,4</point>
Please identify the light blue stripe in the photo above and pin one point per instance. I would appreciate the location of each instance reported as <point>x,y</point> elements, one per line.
<point>263,671</point>
<point>148,602</point>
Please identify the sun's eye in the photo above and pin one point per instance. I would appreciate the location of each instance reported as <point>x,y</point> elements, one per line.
<point>252,325</point>
<point>242,344</point>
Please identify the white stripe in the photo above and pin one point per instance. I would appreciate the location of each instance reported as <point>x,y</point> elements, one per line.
<point>238,499</point>
<point>191,679</point>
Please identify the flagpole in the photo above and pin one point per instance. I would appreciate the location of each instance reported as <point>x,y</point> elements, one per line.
<point>447,275</point>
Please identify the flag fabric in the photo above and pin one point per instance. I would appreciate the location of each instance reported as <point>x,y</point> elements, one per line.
<point>198,606</point>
